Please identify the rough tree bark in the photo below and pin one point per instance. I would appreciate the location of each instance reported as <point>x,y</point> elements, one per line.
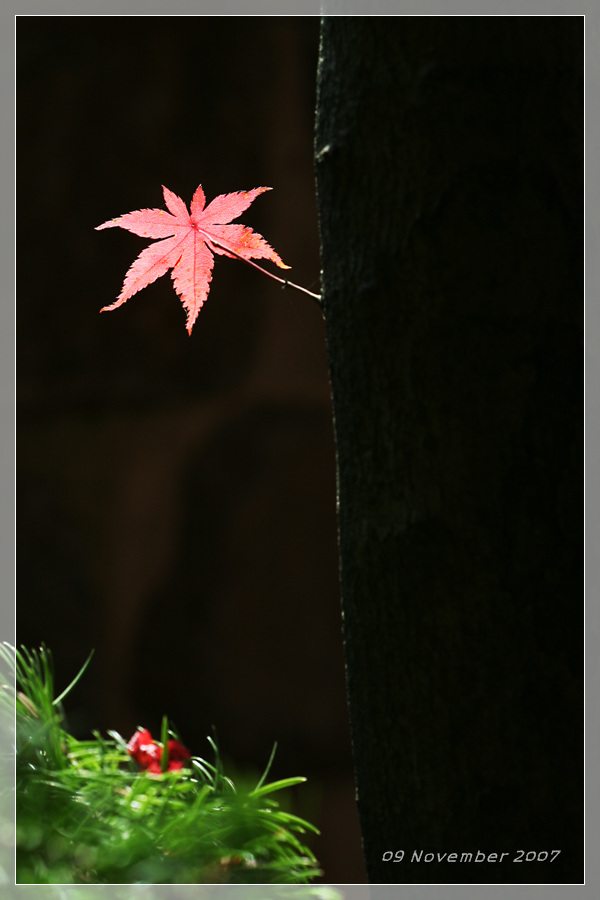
<point>449,175</point>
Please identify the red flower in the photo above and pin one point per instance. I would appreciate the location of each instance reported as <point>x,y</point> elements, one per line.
<point>148,754</point>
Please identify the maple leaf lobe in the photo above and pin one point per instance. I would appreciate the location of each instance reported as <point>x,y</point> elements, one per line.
<point>186,242</point>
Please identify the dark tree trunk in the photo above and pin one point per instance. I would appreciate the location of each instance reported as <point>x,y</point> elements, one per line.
<point>449,170</point>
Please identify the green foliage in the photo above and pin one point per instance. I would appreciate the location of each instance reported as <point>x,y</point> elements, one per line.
<point>87,814</point>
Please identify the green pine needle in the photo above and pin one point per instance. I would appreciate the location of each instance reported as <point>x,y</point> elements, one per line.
<point>87,814</point>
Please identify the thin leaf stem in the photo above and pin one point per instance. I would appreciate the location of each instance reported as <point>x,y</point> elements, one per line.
<point>282,281</point>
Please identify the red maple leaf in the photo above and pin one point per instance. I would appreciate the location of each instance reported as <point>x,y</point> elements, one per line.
<point>189,241</point>
<point>148,753</point>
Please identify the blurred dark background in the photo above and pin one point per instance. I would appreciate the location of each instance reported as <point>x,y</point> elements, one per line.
<point>175,494</point>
